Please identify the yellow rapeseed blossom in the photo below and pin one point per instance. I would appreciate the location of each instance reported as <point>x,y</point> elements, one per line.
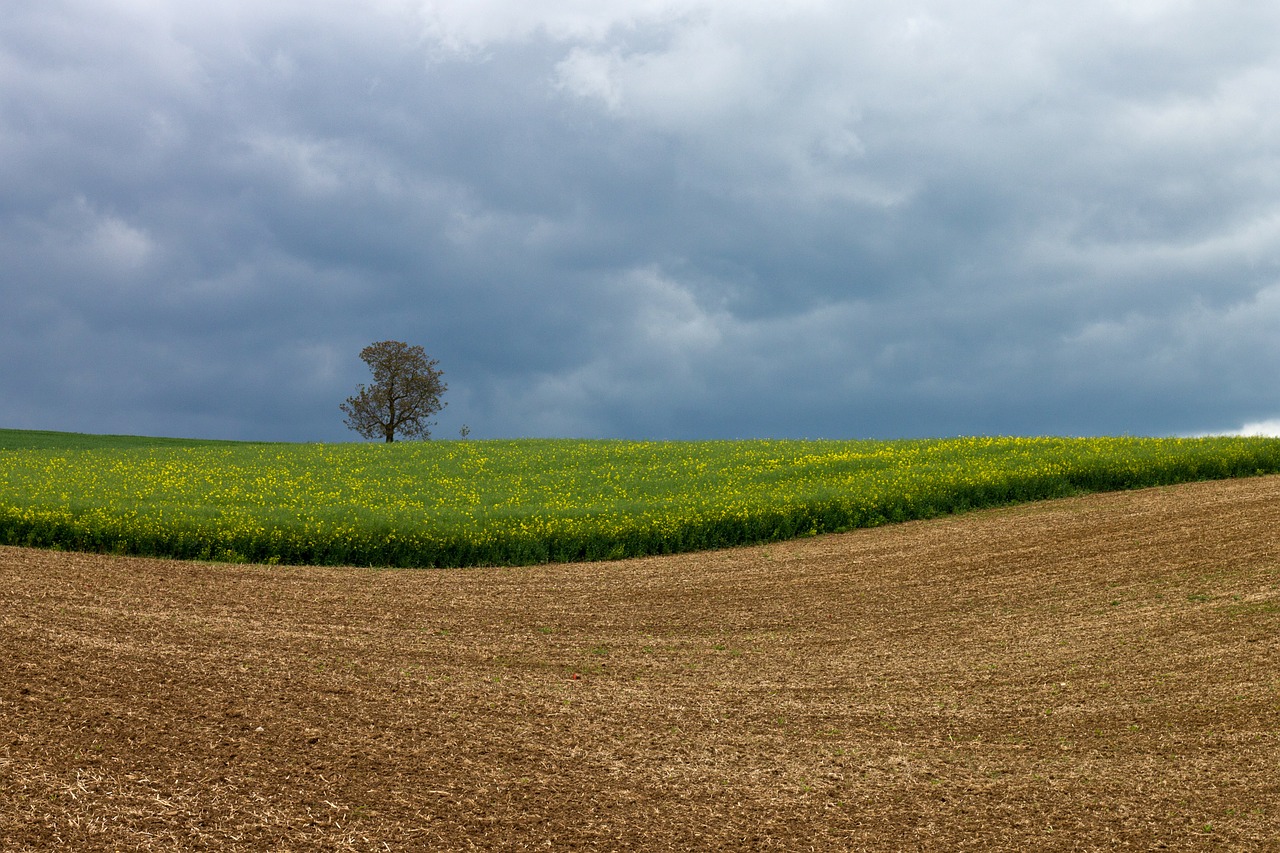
<point>457,503</point>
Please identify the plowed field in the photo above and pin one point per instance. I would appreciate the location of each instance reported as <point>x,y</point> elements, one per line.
<point>1097,673</point>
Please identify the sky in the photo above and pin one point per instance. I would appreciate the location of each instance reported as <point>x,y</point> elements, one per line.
<point>643,219</point>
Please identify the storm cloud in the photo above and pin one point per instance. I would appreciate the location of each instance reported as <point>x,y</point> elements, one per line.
<point>643,219</point>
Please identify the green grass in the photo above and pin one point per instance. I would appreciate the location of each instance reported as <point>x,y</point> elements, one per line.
<point>20,439</point>
<point>517,502</point>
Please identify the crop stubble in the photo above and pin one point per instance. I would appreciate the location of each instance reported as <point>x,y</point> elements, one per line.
<point>1093,673</point>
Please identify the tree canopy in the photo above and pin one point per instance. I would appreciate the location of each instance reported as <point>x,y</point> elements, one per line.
<point>405,393</point>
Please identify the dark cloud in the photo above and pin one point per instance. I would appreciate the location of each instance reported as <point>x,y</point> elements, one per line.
<point>664,218</point>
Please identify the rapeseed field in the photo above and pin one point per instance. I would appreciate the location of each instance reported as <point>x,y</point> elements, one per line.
<point>456,503</point>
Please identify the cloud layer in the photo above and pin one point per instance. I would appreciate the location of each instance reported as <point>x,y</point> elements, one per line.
<point>656,218</point>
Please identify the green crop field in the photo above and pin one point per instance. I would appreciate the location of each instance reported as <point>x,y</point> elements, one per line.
<point>455,503</point>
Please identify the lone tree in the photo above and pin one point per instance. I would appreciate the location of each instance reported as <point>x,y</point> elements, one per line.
<point>405,393</point>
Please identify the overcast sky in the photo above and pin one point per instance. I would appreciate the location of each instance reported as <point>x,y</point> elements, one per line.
<point>643,218</point>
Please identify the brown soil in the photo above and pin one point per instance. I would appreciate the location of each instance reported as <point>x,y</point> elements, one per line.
<point>1089,674</point>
